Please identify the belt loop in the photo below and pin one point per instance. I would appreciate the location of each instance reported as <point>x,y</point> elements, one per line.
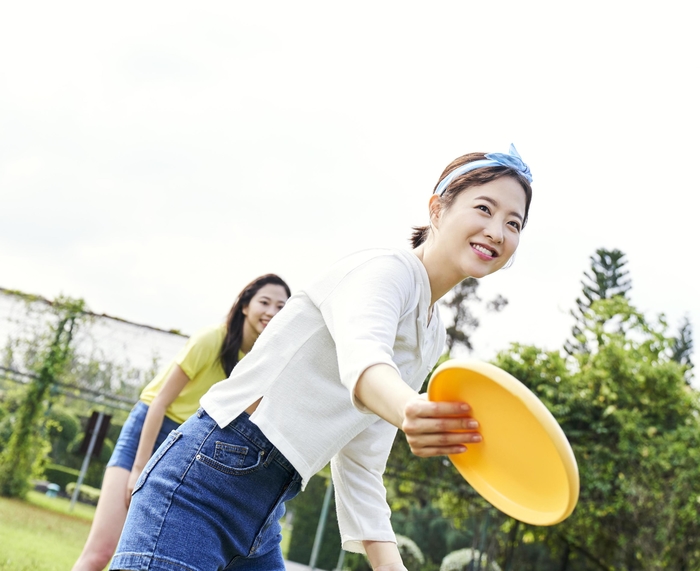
<point>270,456</point>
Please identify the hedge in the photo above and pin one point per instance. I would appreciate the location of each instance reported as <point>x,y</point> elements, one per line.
<point>61,475</point>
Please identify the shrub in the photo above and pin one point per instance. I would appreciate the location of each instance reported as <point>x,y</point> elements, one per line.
<point>61,475</point>
<point>62,428</point>
<point>467,560</point>
<point>306,509</point>
<point>87,494</point>
<point>410,553</point>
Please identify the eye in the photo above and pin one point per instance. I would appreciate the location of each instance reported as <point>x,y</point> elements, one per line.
<point>484,208</point>
<point>515,224</point>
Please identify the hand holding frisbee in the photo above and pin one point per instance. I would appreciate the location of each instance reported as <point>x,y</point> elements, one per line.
<point>524,466</point>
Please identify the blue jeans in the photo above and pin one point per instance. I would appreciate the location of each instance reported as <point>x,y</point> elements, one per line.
<point>127,444</point>
<point>209,499</point>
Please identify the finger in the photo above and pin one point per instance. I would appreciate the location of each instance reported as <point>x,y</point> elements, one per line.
<point>428,451</point>
<point>423,408</point>
<point>419,426</point>
<point>447,439</point>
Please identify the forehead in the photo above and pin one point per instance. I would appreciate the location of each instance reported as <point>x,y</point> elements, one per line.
<point>505,192</point>
<point>271,291</point>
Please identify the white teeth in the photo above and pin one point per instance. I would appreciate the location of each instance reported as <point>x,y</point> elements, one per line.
<point>483,250</point>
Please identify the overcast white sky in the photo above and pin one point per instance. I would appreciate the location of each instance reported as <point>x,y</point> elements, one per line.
<point>156,156</point>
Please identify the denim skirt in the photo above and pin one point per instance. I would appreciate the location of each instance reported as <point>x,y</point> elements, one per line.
<point>127,444</point>
<point>209,499</point>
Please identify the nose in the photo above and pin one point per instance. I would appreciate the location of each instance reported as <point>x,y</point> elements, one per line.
<point>494,231</point>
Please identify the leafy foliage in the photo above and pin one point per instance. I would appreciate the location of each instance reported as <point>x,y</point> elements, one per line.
<point>606,279</point>
<point>411,554</point>
<point>27,446</point>
<point>87,494</point>
<point>465,322</point>
<point>633,424</point>
<point>468,559</point>
<point>305,510</point>
<point>682,347</point>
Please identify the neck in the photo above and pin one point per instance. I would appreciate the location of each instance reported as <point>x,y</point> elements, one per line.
<point>249,338</point>
<point>440,281</point>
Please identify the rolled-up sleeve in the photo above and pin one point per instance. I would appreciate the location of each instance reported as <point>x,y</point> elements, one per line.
<point>362,315</point>
<point>360,496</point>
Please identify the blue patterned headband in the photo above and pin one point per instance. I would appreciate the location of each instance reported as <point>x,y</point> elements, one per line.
<point>512,160</point>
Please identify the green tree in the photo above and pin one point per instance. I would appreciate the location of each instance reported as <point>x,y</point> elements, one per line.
<point>27,446</point>
<point>633,424</point>
<point>305,510</point>
<point>682,347</point>
<point>419,488</point>
<point>464,322</point>
<point>606,279</point>
<point>434,534</point>
<point>63,429</point>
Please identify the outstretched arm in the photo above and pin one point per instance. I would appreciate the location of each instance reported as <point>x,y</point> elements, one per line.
<point>431,428</point>
<point>175,382</point>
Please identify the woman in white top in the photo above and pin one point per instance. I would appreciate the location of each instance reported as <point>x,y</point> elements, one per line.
<point>330,380</point>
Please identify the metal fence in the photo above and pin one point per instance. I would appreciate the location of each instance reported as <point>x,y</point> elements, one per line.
<point>114,358</point>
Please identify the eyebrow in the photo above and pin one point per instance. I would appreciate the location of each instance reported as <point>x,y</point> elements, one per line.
<point>495,203</point>
<point>268,298</point>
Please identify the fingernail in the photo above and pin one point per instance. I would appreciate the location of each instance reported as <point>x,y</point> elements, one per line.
<point>472,424</point>
<point>476,438</point>
<point>465,406</point>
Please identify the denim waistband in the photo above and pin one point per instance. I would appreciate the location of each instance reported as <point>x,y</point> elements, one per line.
<point>245,427</point>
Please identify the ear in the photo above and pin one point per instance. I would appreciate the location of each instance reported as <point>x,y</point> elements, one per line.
<point>244,310</point>
<point>435,209</point>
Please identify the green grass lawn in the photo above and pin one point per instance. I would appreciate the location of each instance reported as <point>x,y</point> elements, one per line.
<point>40,534</point>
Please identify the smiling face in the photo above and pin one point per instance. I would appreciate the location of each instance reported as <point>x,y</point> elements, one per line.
<point>480,231</point>
<point>263,306</point>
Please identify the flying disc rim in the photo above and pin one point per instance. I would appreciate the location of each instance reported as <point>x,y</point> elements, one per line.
<point>499,494</point>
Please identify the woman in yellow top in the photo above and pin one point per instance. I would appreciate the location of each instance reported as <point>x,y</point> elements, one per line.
<point>169,399</point>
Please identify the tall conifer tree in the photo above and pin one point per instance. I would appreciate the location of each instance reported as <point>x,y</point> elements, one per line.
<point>683,347</point>
<point>607,278</point>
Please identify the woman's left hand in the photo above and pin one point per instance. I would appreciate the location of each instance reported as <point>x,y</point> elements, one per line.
<point>131,483</point>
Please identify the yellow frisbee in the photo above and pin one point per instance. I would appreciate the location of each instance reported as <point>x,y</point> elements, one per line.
<point>524,466</point>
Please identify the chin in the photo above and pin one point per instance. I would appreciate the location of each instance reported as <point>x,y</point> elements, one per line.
<point>472,271</point>
<point>482,272</point>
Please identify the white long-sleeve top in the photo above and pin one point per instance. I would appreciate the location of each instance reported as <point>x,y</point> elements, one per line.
<point>369,308</point>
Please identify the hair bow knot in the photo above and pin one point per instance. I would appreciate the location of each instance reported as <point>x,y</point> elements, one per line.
<point>512,160</point>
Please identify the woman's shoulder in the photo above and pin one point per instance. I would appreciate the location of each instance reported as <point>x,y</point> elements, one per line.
<point>368,266</point>
<point>402,257</point>
<point>213,334</point>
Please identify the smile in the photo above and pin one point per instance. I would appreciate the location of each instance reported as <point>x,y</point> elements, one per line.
<point>484,250</point>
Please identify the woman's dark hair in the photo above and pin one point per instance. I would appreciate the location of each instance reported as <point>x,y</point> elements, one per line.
<point>477,177</point>
<point>234,322</point>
